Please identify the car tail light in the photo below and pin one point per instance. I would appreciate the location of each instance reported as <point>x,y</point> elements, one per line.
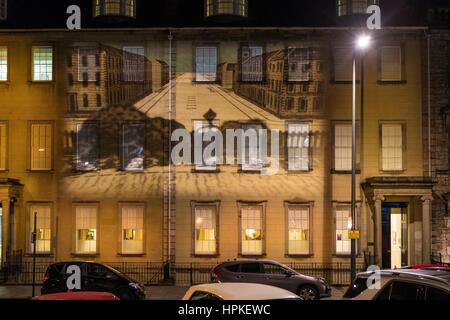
<point>216,273</point>
<point>46,276</point>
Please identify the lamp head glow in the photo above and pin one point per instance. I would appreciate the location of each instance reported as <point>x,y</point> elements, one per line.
<point>363,41</point>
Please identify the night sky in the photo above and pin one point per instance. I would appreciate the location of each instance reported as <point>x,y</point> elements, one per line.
<point>189,13</point>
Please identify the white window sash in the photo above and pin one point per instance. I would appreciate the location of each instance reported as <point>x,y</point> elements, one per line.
<point>42,63</point>
<point>205,220</point>
<point>206,64</point>
<point>391,63</point>
<point>86,225</point>
<point>3,146</point>
<point>392,147</point>
<point>299,231</point>
<point>132,236</point>
<point>298,147</point>
<point>343,147</point>
<point>342,240</point>
<point>252,233</point>
<point>41,146</point>
<point>3,63</point>
<point>43,228</point>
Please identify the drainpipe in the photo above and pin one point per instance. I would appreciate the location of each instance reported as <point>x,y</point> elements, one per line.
<point>430,172</point>
<point>169,206</point>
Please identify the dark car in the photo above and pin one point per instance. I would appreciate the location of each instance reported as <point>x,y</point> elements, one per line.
<point>272,273</point>
<point>95,277</point>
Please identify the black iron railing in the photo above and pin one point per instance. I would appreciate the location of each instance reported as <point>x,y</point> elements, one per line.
<point>154,273</point>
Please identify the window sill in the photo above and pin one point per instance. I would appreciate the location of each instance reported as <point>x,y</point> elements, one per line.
<point>252,256</point>
<point>344,172</point>
<point>39,255</point>
<point>299,171</point>
<point>5,82</point>
<point>249,171</point>
<point>197,255</point>
<point>205,171</point>
<point>396,172</point>
<point>131,255</point>
<point>41,81</point>
<point>310,255</point>
<point>391,82</point>
<point>41,171</point>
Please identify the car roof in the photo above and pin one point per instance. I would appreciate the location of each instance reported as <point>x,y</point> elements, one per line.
<point>251,261</point>
<point>243,291</point>
<point>441,275</point>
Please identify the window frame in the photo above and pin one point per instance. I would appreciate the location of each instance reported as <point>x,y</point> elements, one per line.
<point>30,226</point>
<point>32,64</point>
<point>403,125</point>
<point>122,144</point>
<point>346,206</point>
<point>307,65</point>
<point>241,62</point>
<point>126,78</point>
<point>121,206</point>
<point>310,149</point>
<point>402,79</point>
<point>99,9</point>
<point>5,12</point>
<point>215,124</point>
<point>30,146</point>
<point>333,147</point>
<point>211,204</point>
<point>349,46</point>
<point>241,205</point>
<point>247,168</point>
<point>8,63</point>
<point>76,145</point>
<point>95,205</point>
<point>310,206</point>
<point>197,46</point>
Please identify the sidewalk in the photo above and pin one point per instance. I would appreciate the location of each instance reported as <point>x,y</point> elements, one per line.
<point>152,292</point>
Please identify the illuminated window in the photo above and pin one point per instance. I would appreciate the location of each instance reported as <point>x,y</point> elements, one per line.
<point>88,64</point>
<point>343,147</point>
<point>115,7</point>
<point>341,8</point>
<point>133,141</point>
<point>132,229</point>
<point>391,63</point>
<point>298,60</point>
<point>392,147</point>
<point>42,63</point>
<point>298,147</point>
<point>226,7</point>
<point>252,64</point>
<point>87,147</point>
<point>206,64</point>
<point>86,229</point>
<point>202,128</point>
<point>43,228</point>
<point>134,63</point>
<point>3,63</point>
<point>205,220</point>
<point>343,63</point>
<point>41,146</point>
<point>3,9</point>
<point>252,230</point>
<point>343,225</point>
<point>299,230</point>
<point>3,146</point>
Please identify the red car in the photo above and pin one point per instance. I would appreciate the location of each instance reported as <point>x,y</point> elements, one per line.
<point>78,296</point>
<point>429,266</point>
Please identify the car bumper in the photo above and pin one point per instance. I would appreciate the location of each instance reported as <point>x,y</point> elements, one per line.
<point>326,293</point>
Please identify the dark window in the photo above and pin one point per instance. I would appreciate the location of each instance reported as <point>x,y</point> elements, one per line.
<point>437,294</point>
<point>250,268</point>
<point>402,291</point>
<point>358,286</point>
<point>133,140</point>
<point>252,64</point>
<point>85,101</point>
<point>99,271</point>
<point>99,100</point>
<point>204,296</point>
<point>233,268</point>
<point>87,146</point>
<point>274,269</point>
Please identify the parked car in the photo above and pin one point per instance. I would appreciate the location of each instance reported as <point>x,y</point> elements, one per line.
<point>272,273</point>
<point>402,284</point>
<point>427,266</point>
<point>78,296</point>
<point>238,291</point>
<point>95,277</point>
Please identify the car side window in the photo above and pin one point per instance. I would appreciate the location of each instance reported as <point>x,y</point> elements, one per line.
<point>250,268</point>
<point>274,269</point>
<point>233,268</point>
<point>434,294</point>
<point>96,270</point>
<point>204,296</point>
<point>402,291</point>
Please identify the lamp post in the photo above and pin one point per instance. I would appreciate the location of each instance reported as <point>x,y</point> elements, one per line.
<point>362,42</point>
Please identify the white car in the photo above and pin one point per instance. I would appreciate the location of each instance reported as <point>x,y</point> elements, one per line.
<point>402,285</point>
<point>237,291</point>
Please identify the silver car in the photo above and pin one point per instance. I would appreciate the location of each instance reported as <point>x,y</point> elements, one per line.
<point>272,273</point>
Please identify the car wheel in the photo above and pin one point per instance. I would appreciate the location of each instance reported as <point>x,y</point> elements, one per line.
<point>126,294</point>
<point>308,293</point>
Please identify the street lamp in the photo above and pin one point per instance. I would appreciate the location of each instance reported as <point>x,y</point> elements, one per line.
<point>362,43</point>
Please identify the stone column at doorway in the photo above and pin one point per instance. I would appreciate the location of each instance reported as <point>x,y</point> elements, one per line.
<point>426,228</point>
<point>378,199</point>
